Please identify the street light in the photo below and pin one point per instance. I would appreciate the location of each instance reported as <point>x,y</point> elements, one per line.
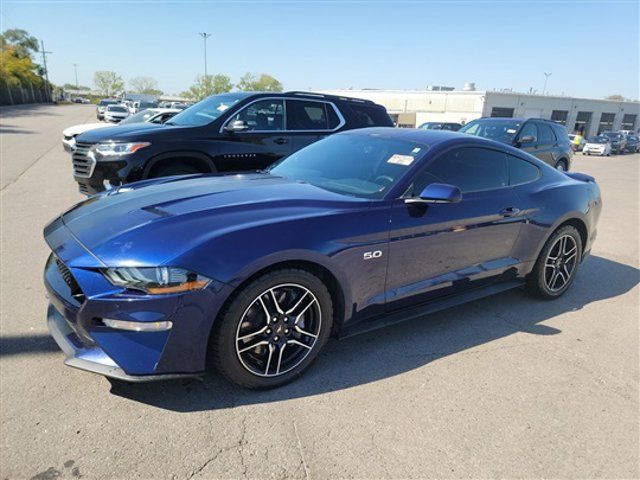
<point>75,67</point>
<point>204,37</point>
<point>546,78</point>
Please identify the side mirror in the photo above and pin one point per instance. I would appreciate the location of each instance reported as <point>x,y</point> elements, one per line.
<point>527,139</point>
<point>437,193</point>
<point>237,126</point>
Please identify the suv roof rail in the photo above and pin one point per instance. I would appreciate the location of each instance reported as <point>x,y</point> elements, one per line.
<point>322,95</point>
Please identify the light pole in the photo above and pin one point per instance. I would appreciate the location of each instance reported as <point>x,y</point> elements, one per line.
<point>546,78</point>
<point>75,67</point>
<point>46,70</point>
<point>204,37</point>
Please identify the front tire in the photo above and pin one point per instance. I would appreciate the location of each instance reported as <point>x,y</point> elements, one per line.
<point>273,329</point>
<point>562,166</point>
<point>174,168</point>
<point>557,265</point>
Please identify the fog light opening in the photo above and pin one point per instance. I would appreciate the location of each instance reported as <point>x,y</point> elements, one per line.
<point>137,326</point>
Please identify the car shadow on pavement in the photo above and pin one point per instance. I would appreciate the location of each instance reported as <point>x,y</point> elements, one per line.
<point>402,347</point>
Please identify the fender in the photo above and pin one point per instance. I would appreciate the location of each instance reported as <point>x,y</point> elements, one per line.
<point>573,215</point>
<point>298,255</point>
<point>177,154</point>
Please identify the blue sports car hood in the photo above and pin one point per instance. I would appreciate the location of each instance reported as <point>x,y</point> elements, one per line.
<point>151,222</point>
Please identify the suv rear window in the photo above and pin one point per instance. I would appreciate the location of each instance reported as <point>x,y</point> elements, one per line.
<point>368,116</point>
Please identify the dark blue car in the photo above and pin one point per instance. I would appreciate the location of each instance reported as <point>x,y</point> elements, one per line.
<point>254,272</point>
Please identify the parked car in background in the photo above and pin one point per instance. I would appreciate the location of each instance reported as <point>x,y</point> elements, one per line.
<point>633,144</point>
<point>618,141</point>
<point>577,142</point>
<point>544,139</point>
<point>116,113</point>
<point>151,115</point>
<point>102,106</point>
<point>229,132</point>
<point>254,272</point>
<point>137,106</point>
<point>454,127</point>
<point>598,145</point>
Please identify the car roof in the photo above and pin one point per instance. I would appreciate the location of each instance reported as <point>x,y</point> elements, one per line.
<point>430,138</point>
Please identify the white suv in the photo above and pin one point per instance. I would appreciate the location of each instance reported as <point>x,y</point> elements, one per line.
<point>115,113</point>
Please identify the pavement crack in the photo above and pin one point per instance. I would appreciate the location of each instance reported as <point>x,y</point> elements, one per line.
<point>301,451</point>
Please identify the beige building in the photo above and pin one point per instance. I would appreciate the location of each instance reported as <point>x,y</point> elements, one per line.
<point>411,108</point>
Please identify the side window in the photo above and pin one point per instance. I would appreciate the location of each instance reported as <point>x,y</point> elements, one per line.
<point>546,135</point>
<point>521,171</point>
<point>302,115</point>
<point>263,115</point>
<point>530,129</point>
<point>470,169</point>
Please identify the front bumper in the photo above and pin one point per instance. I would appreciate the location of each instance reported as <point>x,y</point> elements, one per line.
<point>69,144</point>
<point>81,297</point>
<point>92,358</point>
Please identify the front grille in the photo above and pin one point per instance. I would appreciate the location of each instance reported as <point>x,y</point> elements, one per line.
<point>83,162</point>
<point>68,278</point>
<point>83,188</point>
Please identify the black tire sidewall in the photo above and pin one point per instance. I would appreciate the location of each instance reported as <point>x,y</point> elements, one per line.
<point>537,281</point>
<point>223,337</point>
<point>177,168</point>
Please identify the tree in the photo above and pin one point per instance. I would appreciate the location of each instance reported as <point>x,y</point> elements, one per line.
<point>205,86</point>
<point>110,83</point>
<point>23,43</point>
<point>146,85</point>
<point>16,65</point>
<point>264,83</point>
<point>615,98</point>
<point>72,86</point>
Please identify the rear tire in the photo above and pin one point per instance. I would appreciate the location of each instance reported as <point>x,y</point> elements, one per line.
<point>562,166</point>
<point>557,265</point>
<point>287,315</point>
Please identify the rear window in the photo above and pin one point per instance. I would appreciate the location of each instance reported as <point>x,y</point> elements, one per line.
<point>107,102</point>
<point>521,171</point>
<point>368,116</point>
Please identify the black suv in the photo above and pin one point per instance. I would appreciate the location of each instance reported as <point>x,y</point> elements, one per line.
<point>223,133</point>
<point>542,138</point>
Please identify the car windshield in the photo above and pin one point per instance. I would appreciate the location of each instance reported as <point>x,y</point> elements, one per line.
<point>117,108</point>
<point>142,116</point>
<point>365,166</point>
<point>207,110</point>
<point>500,129</point>
<point>599,139</point>
<point>611,135</point>
<point>106,102</point>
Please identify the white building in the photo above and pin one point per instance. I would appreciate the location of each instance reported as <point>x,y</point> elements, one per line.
<point>411,108</point>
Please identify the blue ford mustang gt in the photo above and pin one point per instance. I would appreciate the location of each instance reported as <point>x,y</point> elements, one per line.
<point>254,272</point>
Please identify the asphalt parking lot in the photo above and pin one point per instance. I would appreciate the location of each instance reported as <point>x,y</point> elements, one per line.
<point>508,386</point>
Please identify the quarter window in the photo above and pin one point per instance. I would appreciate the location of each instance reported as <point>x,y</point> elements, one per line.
<point>303,115</point>
<point>521,171</point>
<point>263,115</point>
<point>469,169</point>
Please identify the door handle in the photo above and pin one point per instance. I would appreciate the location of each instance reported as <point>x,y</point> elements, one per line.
<point>281,141</point>
<point>509,212</point>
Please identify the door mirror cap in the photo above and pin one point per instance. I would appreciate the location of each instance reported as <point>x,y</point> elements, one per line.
<point>236,126</point>
<point>437,193</point>
<point>527,139</point>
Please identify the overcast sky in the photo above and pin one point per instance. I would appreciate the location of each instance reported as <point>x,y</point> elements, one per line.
<point>591,48</point>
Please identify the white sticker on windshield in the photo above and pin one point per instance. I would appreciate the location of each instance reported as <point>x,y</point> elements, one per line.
<point>511,130</point>
<point>415,150</point>
<point>398,159</point>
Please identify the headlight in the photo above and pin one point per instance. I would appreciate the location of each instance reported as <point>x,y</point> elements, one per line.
<point>112,148</point>
<point>156,280</point>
